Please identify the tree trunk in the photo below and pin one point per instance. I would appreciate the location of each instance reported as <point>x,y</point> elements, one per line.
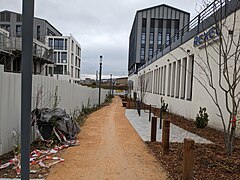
<point>229,141</point>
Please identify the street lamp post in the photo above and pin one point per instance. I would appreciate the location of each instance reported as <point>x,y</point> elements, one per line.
<point>100,79</point>
<point>110,84</point>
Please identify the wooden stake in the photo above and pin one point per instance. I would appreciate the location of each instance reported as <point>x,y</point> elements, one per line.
<point>165,136</point>
<point>154,129</point>
<point>188,159</point>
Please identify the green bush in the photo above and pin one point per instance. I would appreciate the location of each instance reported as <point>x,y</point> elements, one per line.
<point>202,118</point>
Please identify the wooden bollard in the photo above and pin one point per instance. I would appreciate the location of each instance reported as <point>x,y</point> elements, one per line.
<point>165,136</point>
<point>188,159</point>
<point>154,129</point>
<point>129,105</point>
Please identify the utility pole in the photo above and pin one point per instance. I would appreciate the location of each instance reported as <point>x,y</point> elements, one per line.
<point>26,94</point>
<point>100,79</point>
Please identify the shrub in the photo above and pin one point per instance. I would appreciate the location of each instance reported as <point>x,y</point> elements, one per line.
<point>202,118</point>
<point>164,106</point>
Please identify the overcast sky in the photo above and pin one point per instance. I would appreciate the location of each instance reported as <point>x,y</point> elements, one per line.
<point>102,27</point>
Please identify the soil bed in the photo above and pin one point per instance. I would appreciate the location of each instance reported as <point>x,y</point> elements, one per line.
<point>211,161</point>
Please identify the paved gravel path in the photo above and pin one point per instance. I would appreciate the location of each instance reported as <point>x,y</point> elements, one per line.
<point>142,126</point>
<point>110,148</point>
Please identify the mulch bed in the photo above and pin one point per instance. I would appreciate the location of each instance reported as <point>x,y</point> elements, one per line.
<point>210,160</point>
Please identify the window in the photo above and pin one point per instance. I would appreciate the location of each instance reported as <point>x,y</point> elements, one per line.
<point>150,52</point>
<point>160,24</point>
<point>5,16</point>
<point>164,79</point>
<point>152,24</point>
<point>183,81</point>
<point>142,54</point>
<point>59,60</point>
<point>58,44</point>
<point>19,18</point>
<point>178,78</point>
<point>173,79</point>
<point>168,35</point>
<point>65,44</point>
<point>176,30</point>
<point>159,39</point>
<point>55,57</point>
<point>63,57</point>
<point>58,69</point>
<point>151,38</point>
<point>18,30</point>
<point>76,61</point>
<point>161,81</point>
<point>38,33</point>
<point>143,38</point>
<point>144,22</point>
<point>72,47</point>
<point>50,71</point>
<point>169,78</point>
<point>190,78</point>
<point>50,42</point>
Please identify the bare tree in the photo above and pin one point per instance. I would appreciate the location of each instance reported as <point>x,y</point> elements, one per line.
<point>220,67</point>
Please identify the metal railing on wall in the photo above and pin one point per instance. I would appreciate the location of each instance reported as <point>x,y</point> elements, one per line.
<point>195,26</point>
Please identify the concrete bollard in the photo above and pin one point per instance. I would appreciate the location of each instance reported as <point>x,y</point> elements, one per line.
<point>165,136</point>
<point>188,159</point>
<point>154,129</point>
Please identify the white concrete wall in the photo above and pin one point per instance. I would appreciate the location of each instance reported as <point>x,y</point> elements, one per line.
<point>71,96</point>
<point>200,98</point>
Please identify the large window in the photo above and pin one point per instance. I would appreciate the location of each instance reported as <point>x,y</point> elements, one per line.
<point>142,54</point>
<point>38,33</point>
<point>150,52</point>
<point>63,57</point>
<point>18,30</point>
<point>173,79</point>
<point>159,39</point>
<point>190,78</point>
<point>178,78</point>
<point>58,44</point>
<point>50,42</point>
<point>143,38</point>
<point>169,78</point>
<point>5,17</point>
<point>58,69</point>
<point>151,38</point>
<point>183,81</point>
<point>168,36</point>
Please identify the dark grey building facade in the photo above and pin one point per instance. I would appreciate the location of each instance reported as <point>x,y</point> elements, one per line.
<point>12,22</point>
<point>152,30</point>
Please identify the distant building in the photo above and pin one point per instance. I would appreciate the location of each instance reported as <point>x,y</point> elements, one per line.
<point>66,56</point>
<point>121,81</point>
<point>153,27</point>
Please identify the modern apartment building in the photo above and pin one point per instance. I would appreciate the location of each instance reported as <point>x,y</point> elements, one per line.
<point>42,54</point>
<point>195,70</point>
<point>153,27</point>
<point>66,56</point>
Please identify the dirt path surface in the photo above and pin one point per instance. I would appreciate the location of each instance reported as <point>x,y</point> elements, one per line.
<point>110,149</point>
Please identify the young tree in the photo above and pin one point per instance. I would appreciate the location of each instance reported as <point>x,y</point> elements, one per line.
<point>220,65</point>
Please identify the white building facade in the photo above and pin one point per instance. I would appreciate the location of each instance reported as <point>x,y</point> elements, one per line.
<point>66,56</point>
<point>183,73</point>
